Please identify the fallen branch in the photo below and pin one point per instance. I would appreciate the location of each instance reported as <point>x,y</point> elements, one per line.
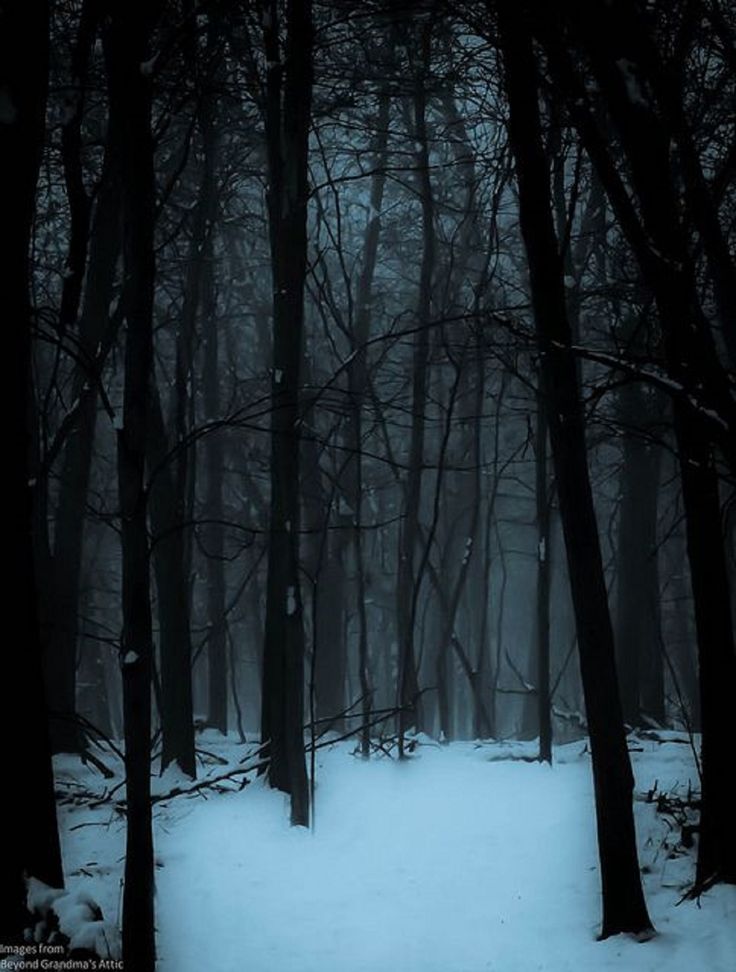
<point>208,782</point>
<point>199,786</point>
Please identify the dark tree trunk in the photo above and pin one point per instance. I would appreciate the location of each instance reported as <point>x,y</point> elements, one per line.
<point>168,528</point>
<point>408,580</point>
<point>680,638</point>
<point>463,513</point>
<point>717,662</point>
<point>638,632</point>
<point>358,386</point>
<point>31,839</point>
<point>462,494</point>
<point>624,908</point>
<point>172,487</point>
<point>214,533</point>
<point>544,576</point>
<point>484,682</point>
<point>324,563</point>
<point>130,107</point>
<point>660,244</point>
<point>79,202</point>
<point>62,629</point>
<point>203,291</point>
<point>172,457</point>
<point>288,108</point>
<point>331,624</point>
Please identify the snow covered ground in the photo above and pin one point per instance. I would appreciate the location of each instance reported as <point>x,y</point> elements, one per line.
<point>460,860</point>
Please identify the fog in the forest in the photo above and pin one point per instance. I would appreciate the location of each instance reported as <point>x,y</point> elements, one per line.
<point>381,367</point>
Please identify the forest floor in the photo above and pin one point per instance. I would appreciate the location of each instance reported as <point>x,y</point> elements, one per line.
<point>463,859</point>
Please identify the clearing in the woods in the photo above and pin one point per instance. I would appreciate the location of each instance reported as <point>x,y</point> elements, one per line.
<point>463,859</point>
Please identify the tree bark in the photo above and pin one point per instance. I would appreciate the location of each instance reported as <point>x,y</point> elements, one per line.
<point>408,581</point>
<point>324,563</point>
<point>214,533</point>
<point>638,632</point>
<point>544,577</point>
<point>62,627</point>
<point>168,525</point>
<point>288,108</point>
<point>358,385</point>
<point>31,839</point>
<point>128,33</point>
<point>172,490</point>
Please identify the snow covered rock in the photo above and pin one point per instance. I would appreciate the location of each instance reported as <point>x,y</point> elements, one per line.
<point>72,919</point>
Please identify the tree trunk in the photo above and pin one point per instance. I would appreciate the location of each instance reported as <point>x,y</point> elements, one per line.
<point>408,582</point>
<point>544,572</point>
<point>62,628</point>
<point>680,638</point>
<point>31,839</point>
<point>130,106</point>
<point>214,447</point>
<point>484,681</point>
<point>172,486</point>
<point>324,563</point>
<point>660,244</point>
<point>168,526</point>
<point>638,633</point>
<point>717,662</point>
<point>624,908</point>
<point>358,385</point>
<point>288,108</point>
<point>214,532</point>
<point>700,386</point>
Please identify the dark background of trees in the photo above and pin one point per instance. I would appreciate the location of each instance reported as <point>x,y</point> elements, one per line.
<point>369,360</point>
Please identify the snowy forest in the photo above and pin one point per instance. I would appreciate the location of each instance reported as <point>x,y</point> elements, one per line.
<point>371,447</point>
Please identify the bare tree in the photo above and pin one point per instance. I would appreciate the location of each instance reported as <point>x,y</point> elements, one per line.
<point>624,908</point>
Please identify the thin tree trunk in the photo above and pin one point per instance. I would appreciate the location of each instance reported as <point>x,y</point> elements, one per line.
<point>324,563</point>
<point>214,533</point>
<point>358,385</point>
<point>466,527</point>
<point>681,639</point>
<point>168,519</point>
<point>62,629</point>
<point>485,683</point>
<point>482,713</point>
<point>172,488</point>
<point>130,106</point>
<point>638,635</point>
<point>544,572</point>
<point>407,583</point>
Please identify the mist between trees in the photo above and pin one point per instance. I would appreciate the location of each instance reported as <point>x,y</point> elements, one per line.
<point>381,367</point>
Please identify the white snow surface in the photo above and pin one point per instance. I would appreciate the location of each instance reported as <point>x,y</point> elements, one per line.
<point>460,860</point>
